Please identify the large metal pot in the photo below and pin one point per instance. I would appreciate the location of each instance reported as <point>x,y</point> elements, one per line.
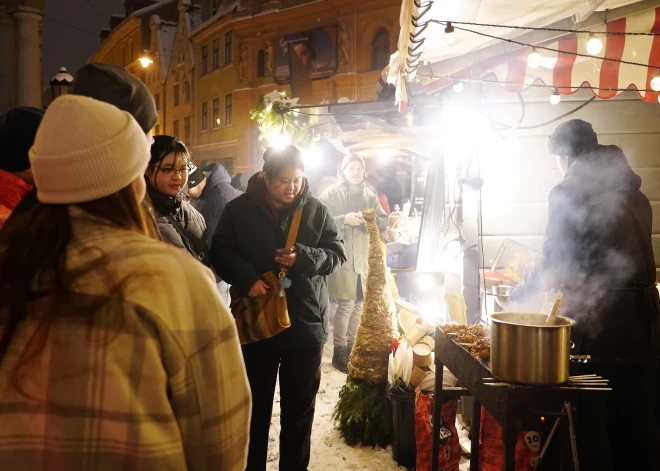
<point>525,350</point>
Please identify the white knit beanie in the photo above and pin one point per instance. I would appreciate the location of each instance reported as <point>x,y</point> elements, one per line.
<point>86,149</point>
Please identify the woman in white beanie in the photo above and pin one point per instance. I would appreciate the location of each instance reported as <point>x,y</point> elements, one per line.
<point>108,360</point>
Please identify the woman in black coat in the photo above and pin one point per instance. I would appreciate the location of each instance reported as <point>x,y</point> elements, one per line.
<point>598,253</point>
<point>252,228</point>
<point>179,223</point>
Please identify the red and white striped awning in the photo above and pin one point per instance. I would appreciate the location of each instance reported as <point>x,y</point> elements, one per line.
<point>567,72</point>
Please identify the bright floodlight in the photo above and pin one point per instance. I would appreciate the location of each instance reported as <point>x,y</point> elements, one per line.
<point>280,140</point>
<point>146,60</point>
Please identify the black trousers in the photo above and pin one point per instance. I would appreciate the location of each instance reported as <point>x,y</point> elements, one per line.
<point>300,378</point>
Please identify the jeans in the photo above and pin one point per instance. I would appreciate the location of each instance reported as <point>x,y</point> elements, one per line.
<point>300,378</point>
<point>347,321</point>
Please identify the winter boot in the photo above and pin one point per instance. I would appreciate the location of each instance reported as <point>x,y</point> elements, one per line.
<point>340,359</point>
<point>349,349</point>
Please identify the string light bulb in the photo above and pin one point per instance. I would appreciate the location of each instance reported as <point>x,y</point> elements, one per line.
<point>594,44</point>
<point>555,97</point>
<point>450,34</point>
<point>534,59</point>
<point>655,83</point>
<point>458,86</point>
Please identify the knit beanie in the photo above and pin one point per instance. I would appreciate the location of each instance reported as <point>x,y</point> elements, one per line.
<point>350,158</point>
<point>115,85</point>
<point>18,127</point>
<point>571,136</point>
<point>96,152</point>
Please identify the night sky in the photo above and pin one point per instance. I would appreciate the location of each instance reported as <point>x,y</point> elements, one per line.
<point>71,30</point>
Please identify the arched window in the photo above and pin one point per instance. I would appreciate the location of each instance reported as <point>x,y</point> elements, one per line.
<point>261,63</point>
<point>380,50</point>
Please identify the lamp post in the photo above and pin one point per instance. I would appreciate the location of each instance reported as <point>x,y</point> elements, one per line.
<point>61,83</point>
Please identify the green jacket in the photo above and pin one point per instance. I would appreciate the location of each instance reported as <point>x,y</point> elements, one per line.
<point>341,199</point>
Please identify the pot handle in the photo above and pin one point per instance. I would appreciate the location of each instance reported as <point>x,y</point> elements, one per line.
<point>580,358</point>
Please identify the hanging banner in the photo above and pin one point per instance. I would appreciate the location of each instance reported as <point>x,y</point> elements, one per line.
<point>314,48</point>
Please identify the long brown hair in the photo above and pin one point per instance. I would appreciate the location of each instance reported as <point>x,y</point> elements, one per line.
<point>33,252</point>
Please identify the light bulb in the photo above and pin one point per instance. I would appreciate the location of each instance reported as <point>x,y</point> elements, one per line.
<point>658,98</point>
<point>458,86</point>
<point>594,45</point>
<point>655,83</point>
<point>450,35</point>
<point>279,140</point>
<point>534,59</point>
<point>555,98</point>
<point>145,61</point>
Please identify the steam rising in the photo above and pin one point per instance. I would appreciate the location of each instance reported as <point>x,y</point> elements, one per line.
<point>598,236</point>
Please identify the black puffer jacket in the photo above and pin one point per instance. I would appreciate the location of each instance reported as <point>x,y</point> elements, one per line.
<point>244,247</point>
<point>213,200</point>
<point>598,252</point>
<point>184,214</point>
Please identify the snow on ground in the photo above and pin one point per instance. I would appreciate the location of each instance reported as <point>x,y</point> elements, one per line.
<point>329,452</point>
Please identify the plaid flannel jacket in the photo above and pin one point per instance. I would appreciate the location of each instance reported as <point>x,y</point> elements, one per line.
<point>153,380</point>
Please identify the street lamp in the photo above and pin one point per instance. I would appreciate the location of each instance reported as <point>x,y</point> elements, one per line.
<point>60,83</point>
<point>145,59</point>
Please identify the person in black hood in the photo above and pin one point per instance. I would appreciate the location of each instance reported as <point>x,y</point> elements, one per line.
<point>211,194</point>
<point>598,253</point>
<point>179,223</point>
<point>252,228</point>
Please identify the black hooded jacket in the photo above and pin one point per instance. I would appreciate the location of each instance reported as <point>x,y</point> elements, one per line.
<point>184,214</point>
<point>217,193</point>
<point>598,253</point>
<point>244,247</point>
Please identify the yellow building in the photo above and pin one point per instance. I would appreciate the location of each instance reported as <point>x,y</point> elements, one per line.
<point>147,27</point>
<point>238,51</point>
<point>213,59</point>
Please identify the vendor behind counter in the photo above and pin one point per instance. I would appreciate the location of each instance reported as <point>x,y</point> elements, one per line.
<point>598,252</point>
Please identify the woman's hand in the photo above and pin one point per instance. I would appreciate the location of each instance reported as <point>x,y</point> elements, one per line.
<point>353,219</point>
<point>287,259</point>
<point>260,288</point>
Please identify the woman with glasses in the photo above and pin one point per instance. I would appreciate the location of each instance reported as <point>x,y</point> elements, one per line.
<point>180,224</point>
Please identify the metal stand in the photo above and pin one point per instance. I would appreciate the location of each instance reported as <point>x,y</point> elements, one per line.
<point>567,412</point>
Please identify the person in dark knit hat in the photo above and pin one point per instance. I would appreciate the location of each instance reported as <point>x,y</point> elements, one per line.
<point>117,86</point>
<point>114,85</point>
<point>598,253</point>
<point>17,130</point>
<point>346,200</point>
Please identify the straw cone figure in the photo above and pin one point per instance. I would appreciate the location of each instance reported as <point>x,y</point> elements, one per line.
<point>373,343</point>
<point>360,413</point>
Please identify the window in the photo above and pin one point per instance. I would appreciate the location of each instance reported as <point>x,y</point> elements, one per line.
<point>216,54</point>
<point>205,60</point>
<point>157,100</point>
<point>130,52</point>
<point>205,116</point>
<point>261,63</point>
<point>123,56</point>
<point>176,95</point>
<point>175,128</point>
<point>228,164</point>
<point>186,91</point>
<point>228,109</point>
<point>186,131</point>
<point>157,130</point>
<point>380,50</point>
<point>229,58</point>
<point>216,113</point>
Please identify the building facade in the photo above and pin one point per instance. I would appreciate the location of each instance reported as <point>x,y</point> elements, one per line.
<point>216,58</point>
<point>20,43</point>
